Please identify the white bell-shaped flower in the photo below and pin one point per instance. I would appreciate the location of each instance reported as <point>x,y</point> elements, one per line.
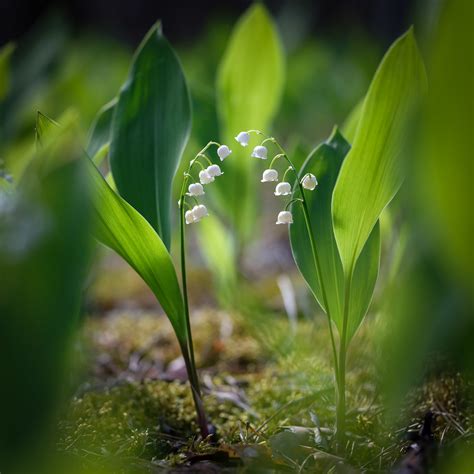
<point>199,212</point>
<point>285,217</point>
<point>269,175</point>
<point>195,189</point>
<point>189,217</point>
<point>309,181</point>
<point>260,151</point>
<point>243,138</point>
<point>223,152</point>
<point>205,177</point>
<point>283,189</point>
<point>214,170</point>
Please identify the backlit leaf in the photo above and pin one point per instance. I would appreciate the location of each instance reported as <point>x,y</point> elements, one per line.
<point>249,87</point>
<point>123,229</point>
<point>325,162</point>
<point>372,172</point>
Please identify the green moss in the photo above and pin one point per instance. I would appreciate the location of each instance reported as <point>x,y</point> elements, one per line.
<point>259,395</point>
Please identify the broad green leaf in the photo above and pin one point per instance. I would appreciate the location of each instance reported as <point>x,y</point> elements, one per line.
<point>150,128</point>
<point>372,172</point>
<point>349,128</point>
<point>5,54</point>
<point>44,258</point>
<point>123,229</point>
<point>444,170</point>
<point>44,125</point>
<point>218,250</point>
<point>325,163</point>
<point>249,87</point>
<point>99,135</point>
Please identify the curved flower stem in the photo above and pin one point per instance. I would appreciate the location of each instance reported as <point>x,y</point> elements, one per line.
<point>315,254</point>
<point>292,201</point>
<point>274,159</point>
<point>187,348</point>
<point>202,155</point>
<point>290,168</point>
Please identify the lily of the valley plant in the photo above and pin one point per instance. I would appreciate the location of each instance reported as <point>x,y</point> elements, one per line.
<point>144,131</point>
<point>334,201</point>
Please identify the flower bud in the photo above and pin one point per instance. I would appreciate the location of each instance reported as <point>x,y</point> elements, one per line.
<point>285,217</point>
<point>260,152</point>
<point>205,177</point>
<point>309,181</point>
<point>189,217</point>
<point>269,175</point>
<point>223,152</point>
<point>195,189</point>
<point>199,212</point>
<point>283,189</point>
<point>214,170</point>
<point>243,138</point>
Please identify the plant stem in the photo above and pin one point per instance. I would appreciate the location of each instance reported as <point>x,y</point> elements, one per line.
<point>341,401</point>
<point>188,349</point>
<point>314,252</point>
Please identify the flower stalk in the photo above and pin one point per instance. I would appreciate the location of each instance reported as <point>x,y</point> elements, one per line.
<point>309,182</point>
<point>206,175</point>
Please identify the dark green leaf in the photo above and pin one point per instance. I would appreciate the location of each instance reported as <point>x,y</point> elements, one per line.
<point>150,128</point>
<point>123,229</point>
<point>99,136</point>
<point>325,162</point>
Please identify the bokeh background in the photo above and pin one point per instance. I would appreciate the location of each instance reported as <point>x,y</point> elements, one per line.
<point>68,59</point>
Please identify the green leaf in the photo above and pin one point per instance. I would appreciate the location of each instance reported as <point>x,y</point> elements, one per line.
<point>123,229</point>
<point>5,55</point>
<point>44,126</point>
<point>99,135</point>
<point>44,260</point>
<point>349,128</point>
<point>218,250</point>
<point>150,128</point>
<point>249,88</point>
<point>325,163</point>
<point>372,172</point>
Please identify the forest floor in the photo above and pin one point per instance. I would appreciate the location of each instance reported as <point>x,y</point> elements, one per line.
<point>268,391</point>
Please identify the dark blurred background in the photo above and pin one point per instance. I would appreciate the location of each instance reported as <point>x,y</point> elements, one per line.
<point>128,21</point>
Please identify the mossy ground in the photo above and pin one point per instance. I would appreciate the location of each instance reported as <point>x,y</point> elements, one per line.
<point>272,403</point>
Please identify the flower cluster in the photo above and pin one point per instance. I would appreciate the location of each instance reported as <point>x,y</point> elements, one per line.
<point>206,176</point>
<point>283,188</point>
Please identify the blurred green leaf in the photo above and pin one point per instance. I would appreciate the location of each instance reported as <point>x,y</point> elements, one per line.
<point>123,229</point>
<point>218,249</point>
<point>445,171</point>
<point>349,128</point>
<point>249,88</point>
<point>5,54</point>
<point>150,128</point>
<point>99,135</point>
<point>44,125</point>
<point>44,230</point>
<point>325,162</point>
<point>371,173</point>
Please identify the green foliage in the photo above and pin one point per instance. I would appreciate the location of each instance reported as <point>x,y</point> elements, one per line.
<point>150,128</point>
<point>5,54</point>
<point>99,135</point>
<point>219,251</point>
<point>249,87</point>
<point>44,230</point>
<point>125,230</point>
<point>325,162</point>
<point>372,172</point>
<point>445,168</point>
